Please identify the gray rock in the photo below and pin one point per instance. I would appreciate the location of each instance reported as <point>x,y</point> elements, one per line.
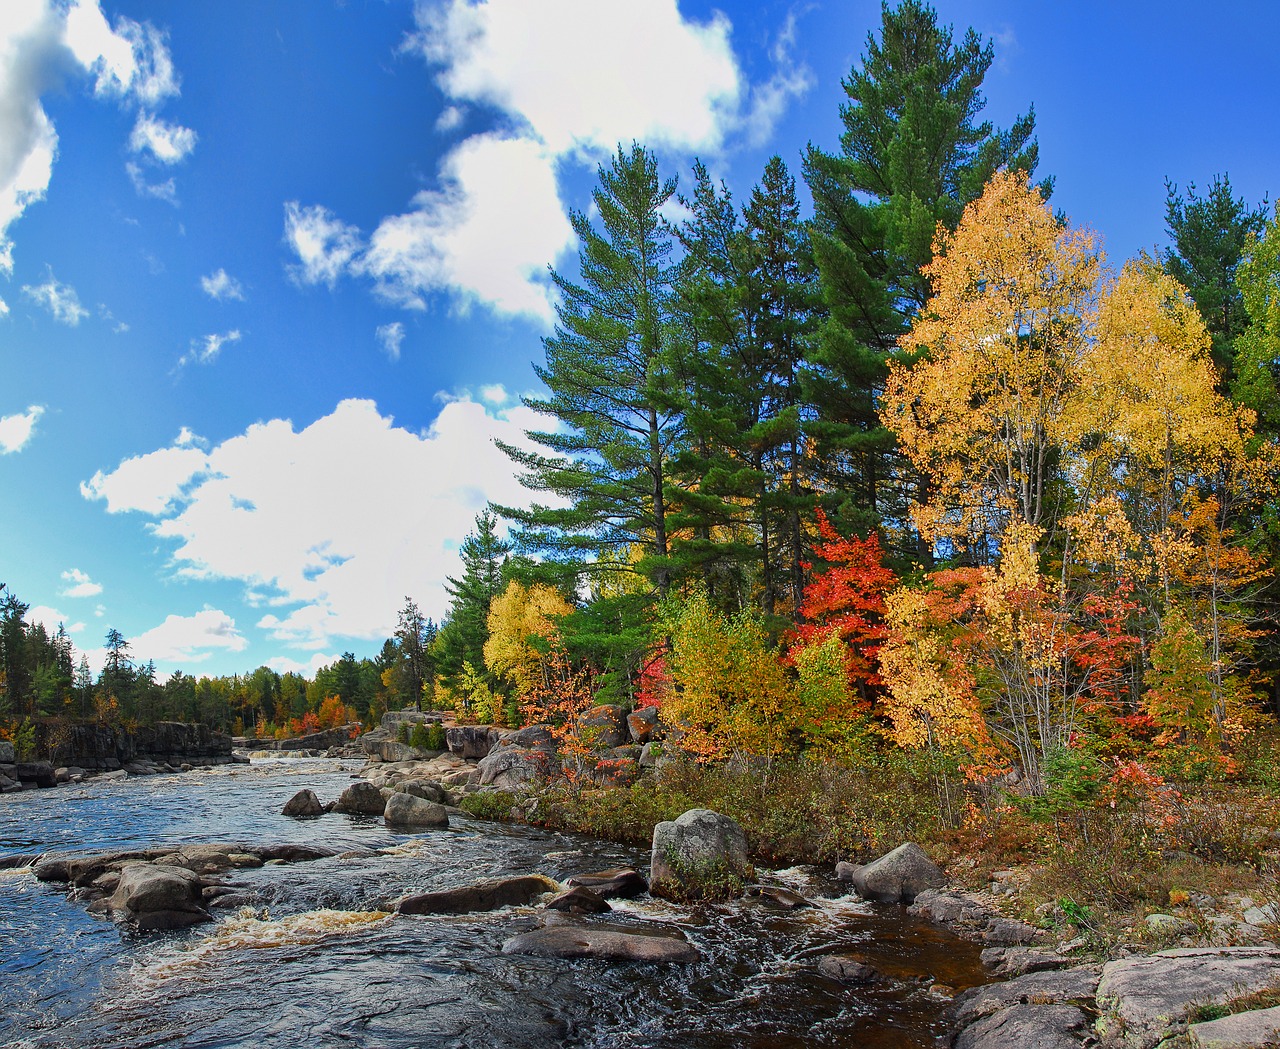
<point>1145,997</point>
<point>777,898</point>
<point>846,871</point>
<point>362,799</point>
<point>531,737</point>
<point>900,876</point>
<point>40,773</point>
<point>483,896</point>
<point>1068,986</point>
<point>115,774</point>
<point>971,917</point>
<point>605,726</point>
<point>7,755</point>
<point>700,855</point>
<point>579,900</point>
<point>1170,924</point>
<point>601,942</point>
<point>1017,961</point>
<point>847,968</point>
<point>1028,1027</point>
<point>611,884</point>
<point>159,896</point>
<point>1242,1031</point>
<point>302,805</point>
<point>470,741</point>
<point>509,768</point>
<point>642,724</point>
<point>405,810</point>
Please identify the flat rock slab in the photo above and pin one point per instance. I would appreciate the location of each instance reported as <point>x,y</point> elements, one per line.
<point>604,943</point>
<point>1241,1031</point>
<point>1069,986</point>
<point>483,896</point>
<point>1143,998</point>
<point>1028,1027</point>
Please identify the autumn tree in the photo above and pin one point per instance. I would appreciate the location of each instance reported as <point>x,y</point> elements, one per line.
<point>460,641</point>
<point>523,629</point>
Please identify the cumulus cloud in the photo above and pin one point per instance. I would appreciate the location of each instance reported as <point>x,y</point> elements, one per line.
<point>41,43</point>
<point>205,350</point>
<point>59,299</point>
<point>16,431</point>
<point>324,244</point>
<point>190,639</point>
<point>81,584</point>
<point>221,286</point>
<point>390,336</point>
<point>167,143</point>
<point>51,618</point>
<point>232,511</point>
<point>496,220</point>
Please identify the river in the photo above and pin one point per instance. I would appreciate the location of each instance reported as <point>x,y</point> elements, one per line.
<point>311,965</point>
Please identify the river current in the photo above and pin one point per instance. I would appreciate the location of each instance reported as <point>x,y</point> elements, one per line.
<point>311,964</point>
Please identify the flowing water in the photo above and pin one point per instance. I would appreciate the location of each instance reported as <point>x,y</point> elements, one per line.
<point>311,964</point>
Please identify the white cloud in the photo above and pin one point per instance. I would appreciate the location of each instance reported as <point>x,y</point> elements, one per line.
<point>390,336</point>
<point>59,299</point>
<point>167,143</point>
<point>495,393</point>
<point>17,430</point>
<point>324,244</point>
<point>81,584</point>
<point>4,308</point>
<point>494,223</point>
<point>232,512</point>
<point>166,190</point>
<point>285,665</point>
<point>41,41</point>
<point>221,286</point>
<point>189,639</point>
<point>205,350</point>
<point>47,617</point>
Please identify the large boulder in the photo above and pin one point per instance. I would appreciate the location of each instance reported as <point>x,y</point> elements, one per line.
<point>361,799</point>
<point>642,724</point>
<point>602,942</point>
<point>898,877</point>
<point>303,805</point>
<point>1141,999</point>
<point>531,737</point>
<point>41,773</point>
<point>509,768</point>
<point>159,896</point>
<point>469,741</point>
<point>406,810</point>
<point>1032,1026</point>
<point>483,896</point>
<point>701,855</point>
<point>7,756</point>
<point>605,726</point>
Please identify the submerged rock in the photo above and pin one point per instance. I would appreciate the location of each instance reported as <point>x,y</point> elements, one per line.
<point>777,898</point>
<point>579,900</point>
<point>303,805</point>
<point>602,942</point>
<point>847,968</point>
<point>700,855</point>
<point>483,896</point>
<point>620,882</point>
<point>898,877</point>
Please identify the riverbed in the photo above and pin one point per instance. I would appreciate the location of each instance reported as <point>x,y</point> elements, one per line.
<point>309,961</point>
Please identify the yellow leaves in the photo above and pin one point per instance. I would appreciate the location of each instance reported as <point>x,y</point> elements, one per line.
<point>521,625</point>
<point>1103,535</point>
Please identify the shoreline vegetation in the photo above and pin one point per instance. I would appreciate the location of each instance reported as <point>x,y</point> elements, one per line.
<point>909,521</point>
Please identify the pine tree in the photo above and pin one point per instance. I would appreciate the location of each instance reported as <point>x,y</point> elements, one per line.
<point>461,640</point>
<point>608,372</point>
<point>913,154</point>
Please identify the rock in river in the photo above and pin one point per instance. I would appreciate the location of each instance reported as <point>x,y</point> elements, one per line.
<point>611,884</point>
<point>898,877</point>
<point>405,810</point>
<point>483,896</point>
<point>362,799</point>
<point>701,855</point>
<point>303,805</point>
<point>603,942</point>
<point>159,896</point>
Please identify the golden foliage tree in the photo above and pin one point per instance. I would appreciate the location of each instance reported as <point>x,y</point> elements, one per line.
<point>522,627</point>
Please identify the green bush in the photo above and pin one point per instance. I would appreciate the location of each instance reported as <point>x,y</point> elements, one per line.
<point>488,805</point>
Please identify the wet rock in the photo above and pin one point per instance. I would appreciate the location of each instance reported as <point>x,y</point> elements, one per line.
<point>846,871</point>
<point>971,917</point>
<point>290,853</point>
<point>1146,997</point>
<point>509,768</point>
<point>303,805</point>
<point>602,942</point>
<point>209,859</point>
<point>40,773</point>
<point>115,774</point>
<point>642,724</point>
<point>406,810</point>
<point>1028,1027</point>
<point>1068,986</point>
<point>777,898</point>
<point>847,968</point>
<point>620,882</point>
<point>362,799</point>
<point>700,855</point>
<point>579,900</point>
<point>483,896</point>
<point>159,896</point>
<point>899,876</point>
<point>1242,1031</point>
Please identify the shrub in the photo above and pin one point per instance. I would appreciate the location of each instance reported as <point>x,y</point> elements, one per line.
<point>488,805</point>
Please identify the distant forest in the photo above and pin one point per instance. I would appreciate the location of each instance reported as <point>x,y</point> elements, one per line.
<point>910,467</point>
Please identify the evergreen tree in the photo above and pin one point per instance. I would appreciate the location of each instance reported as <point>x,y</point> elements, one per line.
<point>461,640</point>
<point>413,638</point>
<point>913,154</point>
<point>16,685</point>
<point>608,372</point>
<point>1209,236</point>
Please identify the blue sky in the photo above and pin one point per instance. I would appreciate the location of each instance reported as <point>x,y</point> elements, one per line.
<point>273,273</point>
